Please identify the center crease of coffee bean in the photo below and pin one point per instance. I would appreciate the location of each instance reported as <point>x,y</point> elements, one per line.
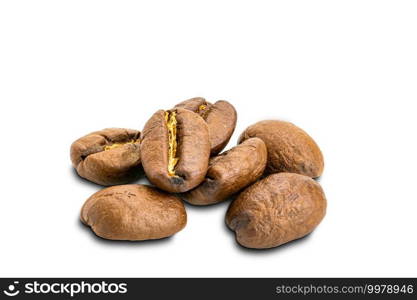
<point>171,122</point>
<point>117,145</point>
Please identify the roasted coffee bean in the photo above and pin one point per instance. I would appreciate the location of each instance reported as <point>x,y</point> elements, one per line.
<point>220,117</point>
<point>229,172</point>
<point>290,149</point>
<point>133,212</point>
<point>108,157</point>
<point>175,149</point>
<point>275,210</point>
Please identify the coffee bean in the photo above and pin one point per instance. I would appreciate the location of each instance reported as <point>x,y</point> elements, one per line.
<point>220,117</point>
<point>229,172</point>
<point>175,149</point>
<point>133,212</point>
<point>275,210</point>
<point>108,157</point>
<point>290,149</point>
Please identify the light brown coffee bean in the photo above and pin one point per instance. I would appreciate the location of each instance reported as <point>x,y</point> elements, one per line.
<point>290,149</point>
<point>133,212</point>
<point>175,149</point>
<point>230,172</point>
<point>220,117</point>
<point>275,210</point>
<point>108,157</point>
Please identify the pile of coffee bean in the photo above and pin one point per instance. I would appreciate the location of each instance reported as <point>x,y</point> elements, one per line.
<point>269,174</point>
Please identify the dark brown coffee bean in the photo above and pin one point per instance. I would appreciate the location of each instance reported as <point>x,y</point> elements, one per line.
<point>107,157</point>
<point>133,212</point>
<point>220,117</point>
<point>290,149</point>
<point>229,172</point>
<point>175,149</point>
<point>277,209</point>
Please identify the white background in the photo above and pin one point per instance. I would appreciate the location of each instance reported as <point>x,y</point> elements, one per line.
<point>345,71</point>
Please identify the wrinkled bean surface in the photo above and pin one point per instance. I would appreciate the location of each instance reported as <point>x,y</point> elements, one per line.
<point>275,210</point>
<point>108,157</point>
<point>220,117</point>
<point>133,212</point>
<point>290,149</point>
<point>230,172</point>
<point>175,150</point>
